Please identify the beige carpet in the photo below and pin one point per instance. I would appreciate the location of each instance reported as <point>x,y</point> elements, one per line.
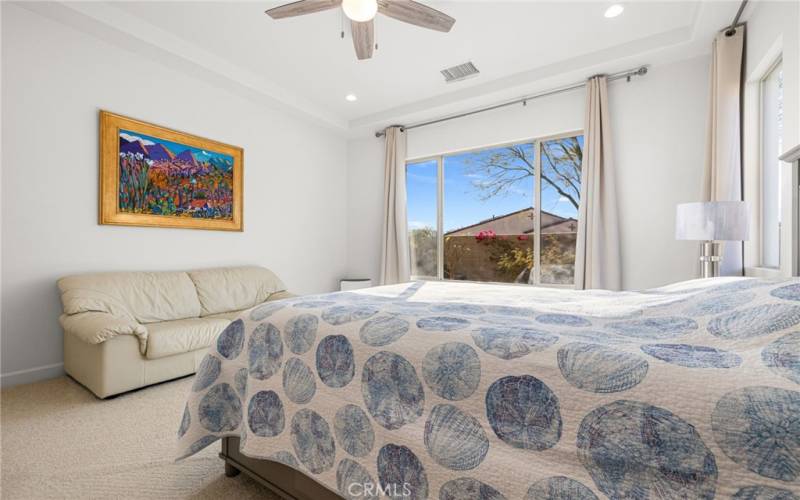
<point>59,441</point>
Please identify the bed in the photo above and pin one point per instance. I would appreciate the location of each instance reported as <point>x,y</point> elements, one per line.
<point>460,390</point>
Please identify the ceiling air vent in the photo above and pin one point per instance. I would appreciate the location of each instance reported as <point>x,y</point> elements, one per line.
<point>460,72</point>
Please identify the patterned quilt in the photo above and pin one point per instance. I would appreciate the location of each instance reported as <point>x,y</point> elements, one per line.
<point>469,391</point>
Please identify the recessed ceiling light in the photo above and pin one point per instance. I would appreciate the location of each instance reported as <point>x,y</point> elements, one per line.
<point>614,10</point>
<point>351,98</point>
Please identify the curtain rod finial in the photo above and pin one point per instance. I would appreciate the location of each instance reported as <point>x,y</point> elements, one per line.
<point>382,133</point>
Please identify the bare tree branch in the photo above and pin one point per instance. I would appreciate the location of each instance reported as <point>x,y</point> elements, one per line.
<point>501,170</point>
<point>569,196</point>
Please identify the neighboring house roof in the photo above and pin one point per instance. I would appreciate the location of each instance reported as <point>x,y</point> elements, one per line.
<point>519,222</point>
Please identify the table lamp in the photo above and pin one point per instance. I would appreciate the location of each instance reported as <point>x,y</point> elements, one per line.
<point>711,222</point>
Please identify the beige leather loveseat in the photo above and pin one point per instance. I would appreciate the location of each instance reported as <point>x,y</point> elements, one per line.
<point>128,330</point>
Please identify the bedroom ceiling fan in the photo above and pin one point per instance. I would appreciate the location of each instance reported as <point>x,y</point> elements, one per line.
<point>362,14</point>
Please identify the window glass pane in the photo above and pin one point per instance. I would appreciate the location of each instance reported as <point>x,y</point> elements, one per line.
<point>421,193</point>
<point>560,198</point>
<point>489,215</point>
<point>772,135</point>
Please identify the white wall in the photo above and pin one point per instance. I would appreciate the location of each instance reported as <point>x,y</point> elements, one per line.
<point>54,80</point>
<point>364,207</point>
<point>658,124</point>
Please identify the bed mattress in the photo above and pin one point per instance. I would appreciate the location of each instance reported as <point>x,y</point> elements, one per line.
<point>459,390</point>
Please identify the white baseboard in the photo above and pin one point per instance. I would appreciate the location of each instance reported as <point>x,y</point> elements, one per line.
<point>31,375</point>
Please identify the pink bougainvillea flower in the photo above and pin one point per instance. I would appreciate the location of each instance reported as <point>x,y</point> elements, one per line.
<point>486,234</point>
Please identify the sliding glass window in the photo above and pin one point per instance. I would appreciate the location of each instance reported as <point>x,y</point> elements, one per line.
<point>771,145</point>
<point>560,182</point>
<point>506,213</point>
<point>422,193</point>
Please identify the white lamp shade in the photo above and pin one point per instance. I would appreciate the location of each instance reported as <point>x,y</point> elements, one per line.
<point>712,221</point>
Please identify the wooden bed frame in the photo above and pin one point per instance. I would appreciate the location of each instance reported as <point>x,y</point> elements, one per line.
<point>282,480</point>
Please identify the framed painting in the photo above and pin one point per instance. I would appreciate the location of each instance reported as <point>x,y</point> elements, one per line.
<point>158,177</point>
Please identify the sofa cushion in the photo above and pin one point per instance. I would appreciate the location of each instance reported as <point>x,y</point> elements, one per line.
<point>184,335</point>
<point>230,315</point>
<point>228,289</point>
<point>146,297</point>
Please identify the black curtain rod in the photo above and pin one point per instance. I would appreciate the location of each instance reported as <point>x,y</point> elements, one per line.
<point>640,71</point>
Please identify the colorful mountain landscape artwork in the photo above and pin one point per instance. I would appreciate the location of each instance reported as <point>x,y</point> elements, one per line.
<point>165,178</point>
<point>155,176</point>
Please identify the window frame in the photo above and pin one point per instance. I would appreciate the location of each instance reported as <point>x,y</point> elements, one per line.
<point>762,82</point>
<point>439,159</point>
<point>751,162</point>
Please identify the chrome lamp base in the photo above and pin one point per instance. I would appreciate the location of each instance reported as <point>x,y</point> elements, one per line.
<point>710,259</point>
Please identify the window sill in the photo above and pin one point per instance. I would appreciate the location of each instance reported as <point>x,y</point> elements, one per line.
<point>764,272</point>
<point>569,286</point>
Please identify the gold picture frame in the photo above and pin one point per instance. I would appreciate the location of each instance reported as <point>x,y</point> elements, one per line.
<point>154,176</point>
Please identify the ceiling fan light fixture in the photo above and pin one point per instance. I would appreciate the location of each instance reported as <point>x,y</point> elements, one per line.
<point>614,10</point>
<point>360,11</point>
<point>361,14</point>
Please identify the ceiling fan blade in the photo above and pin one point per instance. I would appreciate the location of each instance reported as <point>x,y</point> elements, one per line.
<point>363,38</point>
<point>417,14</point>
<point>301,8</point>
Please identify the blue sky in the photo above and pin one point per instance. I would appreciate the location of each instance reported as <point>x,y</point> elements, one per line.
<point>463,203</point>
<point>175,147</point>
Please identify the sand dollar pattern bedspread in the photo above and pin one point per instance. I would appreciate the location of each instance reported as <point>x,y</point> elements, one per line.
<point>462,391</point>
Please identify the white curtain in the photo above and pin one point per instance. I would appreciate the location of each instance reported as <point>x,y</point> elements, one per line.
<point>723,168</point>
<point>395,261</point>
<point>597,255</point>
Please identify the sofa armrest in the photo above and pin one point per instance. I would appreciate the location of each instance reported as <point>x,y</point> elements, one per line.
<point>280,296</point>
<point>96,327</point>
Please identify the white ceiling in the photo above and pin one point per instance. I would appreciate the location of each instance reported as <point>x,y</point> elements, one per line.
<point>303,61</point>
